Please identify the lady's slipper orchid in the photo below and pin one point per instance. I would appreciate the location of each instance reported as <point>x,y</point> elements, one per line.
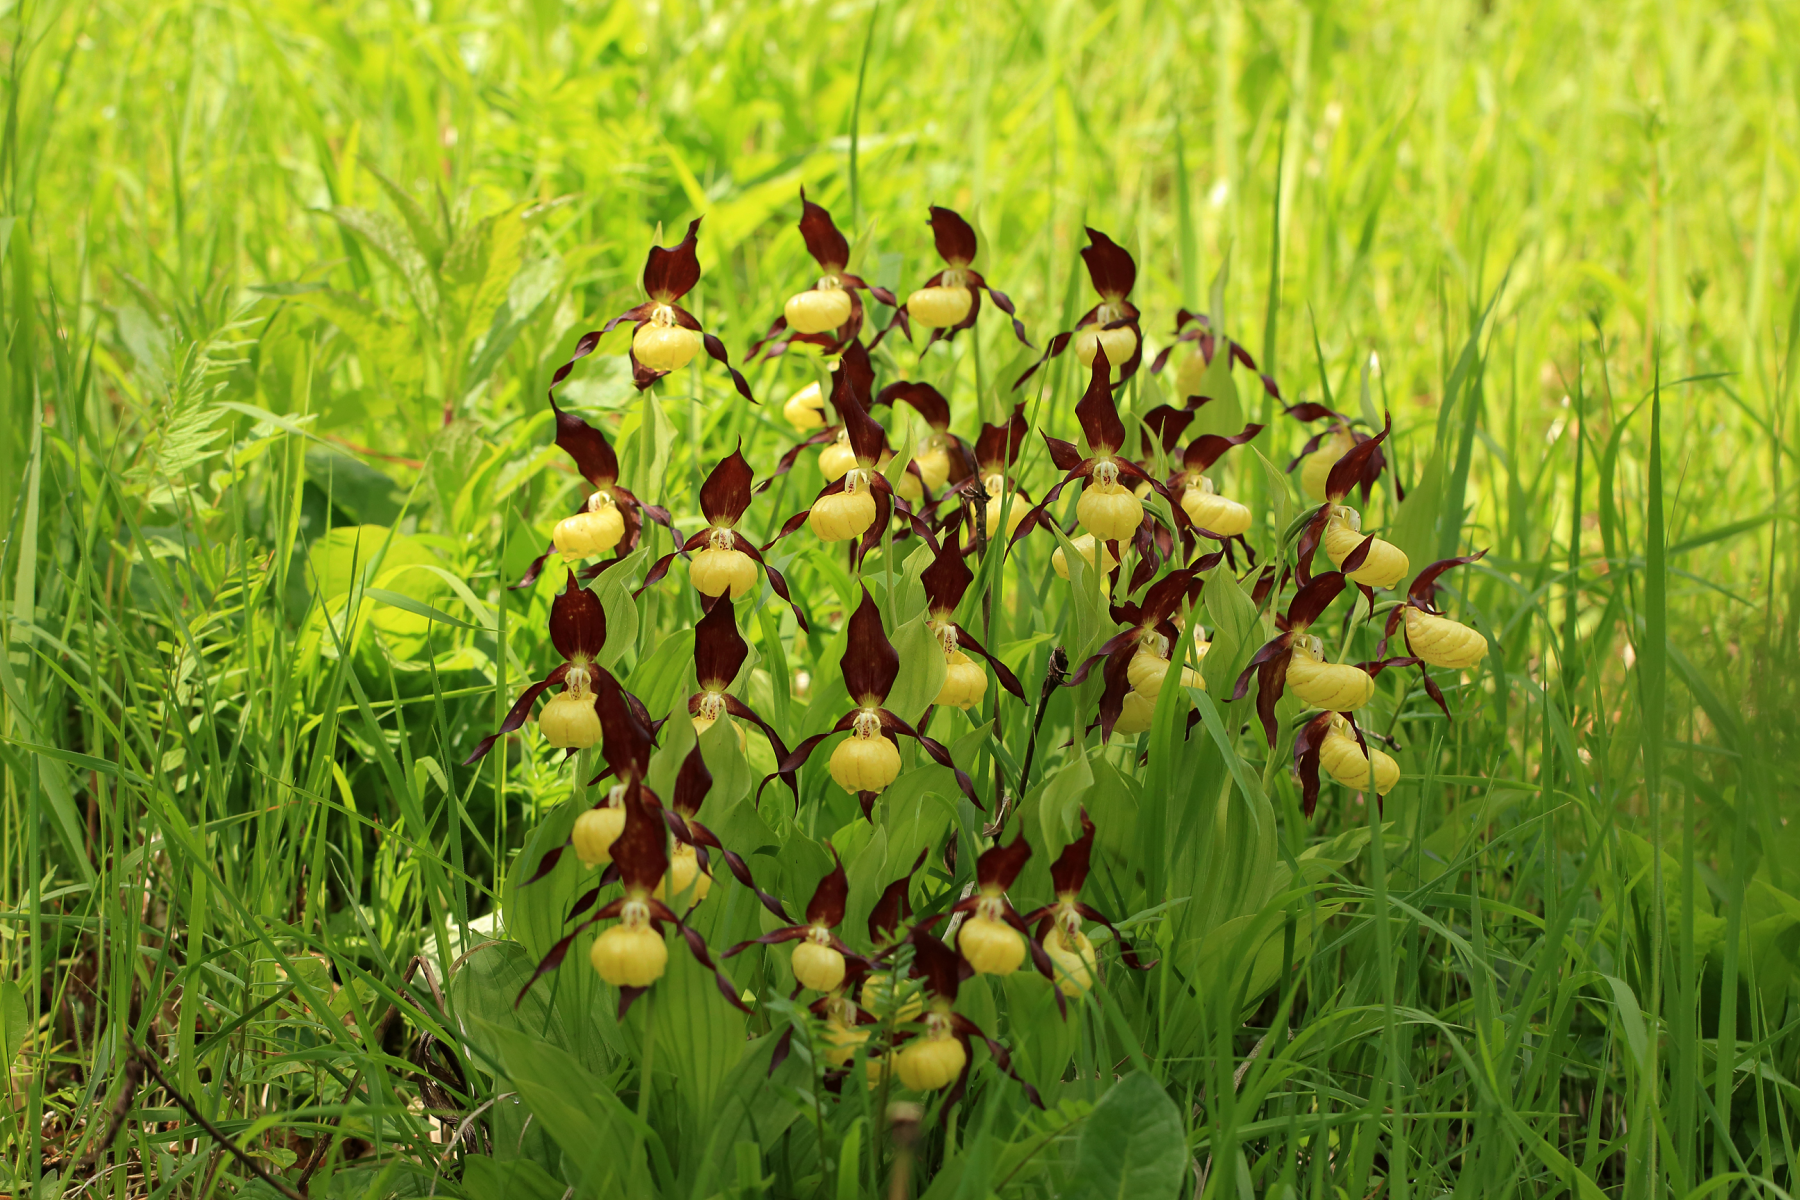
<point>665,336</point>
<point>1110,329</point>
<point>820,960</point>
<point>632,955</point>
<point>828,314</point>
<point>1294,657</point>
<point>857,505</point>
<point>951,299</point>
<point>1207,509</point>
<point>1333,741</point>
<point>1197,328</point>
<point>854,369</point>
<point>611,518</point>
<point>1137,659</point>
<point>941,455</point>
<point>723,560</point>
<point>945,582</point>
<point>1107,509</point>
<point>994,940</point>
<point>570,721</point>
<point>938,1056</point>
<point>1431,637</point>
<point>1059,924</point>
<point>1367,561</point>
<point>996,451</point>
<point>867,761</point>
<point>1323,451</point>
<point>719,654</point>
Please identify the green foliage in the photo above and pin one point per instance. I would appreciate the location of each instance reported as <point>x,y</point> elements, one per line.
<point>282,290</point>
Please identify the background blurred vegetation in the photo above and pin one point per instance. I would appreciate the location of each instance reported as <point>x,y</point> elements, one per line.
<point>276,271</point>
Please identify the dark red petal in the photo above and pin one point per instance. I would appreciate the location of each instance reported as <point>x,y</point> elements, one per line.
<point>1098,414</point>
<point>726,493</point>
<point>1070,870</point>
<point>1065,455</point>
<point>1008,680</point>
<point>998,446</point>
<point>954,236</point>
<point>593,456</point>
<point>1109,265</point>
<point>1000,865</point>
<point>517,715</point>
<point>719,649</point>
<point>870,663</point>
<point>715,350</point>
<point>1351,469</point>
<point>692,783</point>
<point>1313,599</point>
<point>1164,425</point>
<point>671,272</point>
<point>929,402</point>
<point>577,622</point>
<point>948,577</point>
<point>1309,411</point>
<point>827,904</point>
<point>867,438</point>
<point>641,850</point>
<point>1423,591</point>
<point>937,964</point>
<point>1306,759</point>
<point>823,241</point>
<point>626,737</point>
<point>1116,683</point>
<point>1205,450</point>
<point>895,904</point>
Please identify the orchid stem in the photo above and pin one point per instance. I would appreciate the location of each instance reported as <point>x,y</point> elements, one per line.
<point>644,1084</point>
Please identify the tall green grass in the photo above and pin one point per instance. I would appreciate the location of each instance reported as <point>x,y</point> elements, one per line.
<point>1558,242</point>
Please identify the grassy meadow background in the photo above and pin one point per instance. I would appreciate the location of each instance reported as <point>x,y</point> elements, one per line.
<point>1560,242</point>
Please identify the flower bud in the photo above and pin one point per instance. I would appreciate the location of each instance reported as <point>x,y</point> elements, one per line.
<point>817,310</point>
<point>940,307</point>
<point>1074,959</point>
<point>569,722</point>
<point>684,881</point>
<point>1208,510</point>
<point>837,459</point>
<point>1084,546</point>
<point>1315,468</point>
<point>628,955</point>
<point>991,945</point>
<point>879,996</point>
<point>1383,566</point>
<point>595,530</point>
<point>817,965</point>
<point>1339,687</point>
<point>662,345</point>
<point>713,572</point>
<point>1441,641</point>
<point>1120,344</point>
<point>594,833</point>
<point>840,516</point>
<point>1109,511</point>
<point>805,409</point>
<point>930,1062</point>
<point>865,764</point>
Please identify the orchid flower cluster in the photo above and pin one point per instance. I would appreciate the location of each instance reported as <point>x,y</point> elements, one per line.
<point>1157,507</point>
